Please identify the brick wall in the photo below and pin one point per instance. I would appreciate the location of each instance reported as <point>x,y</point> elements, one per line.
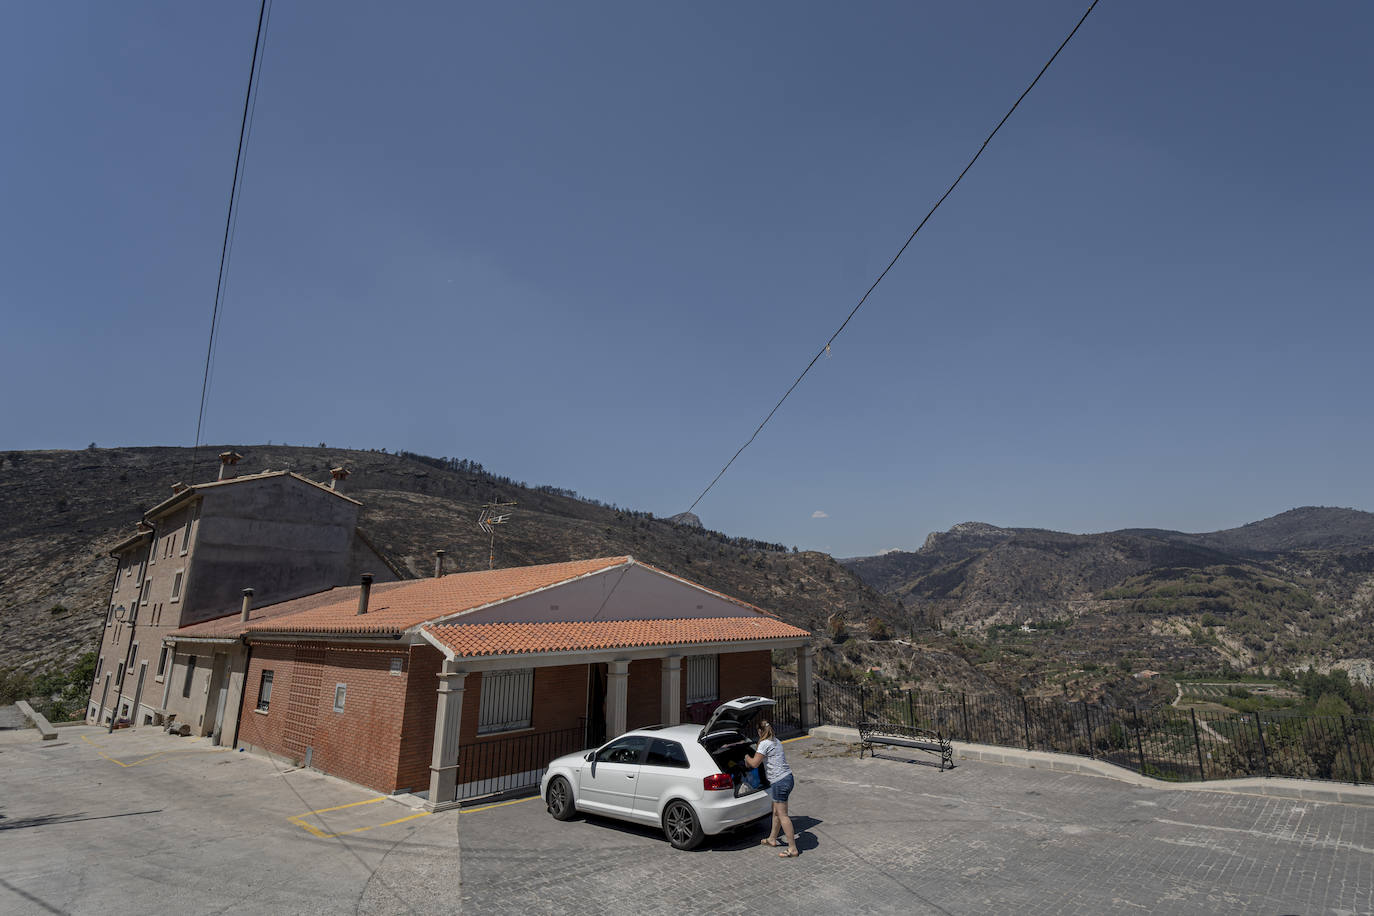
<point>417,728</point>
<point>644,693</point>
<point>363,742</point>
<point>745,674</point>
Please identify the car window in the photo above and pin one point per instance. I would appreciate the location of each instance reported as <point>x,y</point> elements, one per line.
<point>622,750</point>
<point>666,753</point>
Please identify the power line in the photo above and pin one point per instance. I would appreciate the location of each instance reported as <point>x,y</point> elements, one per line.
<point>825,349</point>
<point>228,224</point>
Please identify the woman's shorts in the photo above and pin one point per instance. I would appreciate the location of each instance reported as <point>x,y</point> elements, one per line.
<point>782,788</point>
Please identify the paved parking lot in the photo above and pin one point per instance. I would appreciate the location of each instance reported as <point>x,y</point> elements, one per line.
<point>891,836</point>
<point>145,822</point>
<point>142,822</point>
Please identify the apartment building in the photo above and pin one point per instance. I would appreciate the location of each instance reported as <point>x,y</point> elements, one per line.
<point>192,555</point>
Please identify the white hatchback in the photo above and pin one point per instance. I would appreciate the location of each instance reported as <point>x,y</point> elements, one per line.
<point>691,780</point>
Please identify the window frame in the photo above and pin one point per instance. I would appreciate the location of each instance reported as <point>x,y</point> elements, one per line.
<point>688,679</point>
<point>264,687</point>
<point>340,696</point>
<point>162,663</point>
<point>671,763</point>
<point>622,741</point>
<point>500,696</point>
<point>178,581</point>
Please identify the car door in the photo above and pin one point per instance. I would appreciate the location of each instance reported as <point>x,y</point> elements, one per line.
<point>665,768</point>
<point>607,784</point>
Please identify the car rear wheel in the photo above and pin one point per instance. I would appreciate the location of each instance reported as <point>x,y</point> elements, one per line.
<point>560,799</point>
<point>681,826</point>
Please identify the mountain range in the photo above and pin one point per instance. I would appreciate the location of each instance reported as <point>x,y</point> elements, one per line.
<point>1295,589</point>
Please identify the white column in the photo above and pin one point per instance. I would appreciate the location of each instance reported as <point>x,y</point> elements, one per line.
<point>618,676</point>
<point>671,691</point>
<point>448,719</point>
<point>806,690</point>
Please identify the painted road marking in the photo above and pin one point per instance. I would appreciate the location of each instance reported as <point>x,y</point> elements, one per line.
<point>315,831</point>
<point>503,804</point>
<point>142,760</point>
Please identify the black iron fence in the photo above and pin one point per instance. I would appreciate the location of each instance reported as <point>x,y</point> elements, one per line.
<point>1166,742</point>
<point>495,765</point>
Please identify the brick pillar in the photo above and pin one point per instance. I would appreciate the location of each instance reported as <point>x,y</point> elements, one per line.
<point>806,688</point>
<point>618,675</point>
<point>671,691</point>
<point>448,718</point>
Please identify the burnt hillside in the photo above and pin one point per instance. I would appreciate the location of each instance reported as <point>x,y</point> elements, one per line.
<point>60,511</point>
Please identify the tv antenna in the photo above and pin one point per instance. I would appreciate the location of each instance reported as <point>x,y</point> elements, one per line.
<point>491,517</point>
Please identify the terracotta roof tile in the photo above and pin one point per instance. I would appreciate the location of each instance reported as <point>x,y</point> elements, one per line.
<point>394,607</point>
<point>479,639</point>
<point>231,627</point>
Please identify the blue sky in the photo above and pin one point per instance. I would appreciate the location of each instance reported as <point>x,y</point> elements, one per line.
<point>591,245</point>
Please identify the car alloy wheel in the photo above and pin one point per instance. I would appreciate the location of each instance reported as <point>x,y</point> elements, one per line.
<point>560,799</point>
<point>680,825</point>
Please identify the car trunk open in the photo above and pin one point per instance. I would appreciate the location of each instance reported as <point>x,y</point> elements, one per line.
<point>725,740</point>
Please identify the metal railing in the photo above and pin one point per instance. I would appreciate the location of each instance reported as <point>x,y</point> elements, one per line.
<point>1165,742</point>
<point>489,766</point>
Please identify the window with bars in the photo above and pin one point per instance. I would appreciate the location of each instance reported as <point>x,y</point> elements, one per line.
<point>265,691</point>
<point>507,701</point>
<point>703,678</point>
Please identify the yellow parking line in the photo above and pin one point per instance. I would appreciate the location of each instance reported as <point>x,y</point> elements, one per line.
<point>798,738</point>
<point>297,819</point>
<point>189,750</point>
<point>514,801</point>
<point>366,801</point>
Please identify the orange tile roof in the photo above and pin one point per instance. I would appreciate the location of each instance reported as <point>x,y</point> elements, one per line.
<point>467,640</point>
<point>231,627</point>
<point>397,606</point>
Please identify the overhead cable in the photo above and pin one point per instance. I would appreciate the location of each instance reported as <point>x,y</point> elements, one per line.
<point>826,349</point>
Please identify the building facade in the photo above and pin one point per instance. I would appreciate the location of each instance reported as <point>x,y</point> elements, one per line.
<point>442,687</point>
<point>190,559</point>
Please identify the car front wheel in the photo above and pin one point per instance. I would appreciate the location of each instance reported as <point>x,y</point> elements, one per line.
<point>681,826</point>
<point>560,799</point>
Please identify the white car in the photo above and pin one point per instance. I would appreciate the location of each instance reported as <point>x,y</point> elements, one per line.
<point>688,779</point>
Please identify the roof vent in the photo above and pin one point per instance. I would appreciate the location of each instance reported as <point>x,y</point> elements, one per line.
<point>364,593</point>
<point>247,603</point>
<point>227,462</point>
<point>438,564</point>
<point>337,476</point>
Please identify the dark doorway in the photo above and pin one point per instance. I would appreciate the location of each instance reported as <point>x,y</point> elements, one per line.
<point>596,704</point>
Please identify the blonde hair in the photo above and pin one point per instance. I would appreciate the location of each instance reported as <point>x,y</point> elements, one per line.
<point>765,730</point>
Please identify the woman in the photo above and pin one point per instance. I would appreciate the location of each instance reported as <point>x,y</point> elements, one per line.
<point>780,786</point>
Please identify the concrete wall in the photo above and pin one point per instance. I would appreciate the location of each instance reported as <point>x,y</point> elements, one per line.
<point>280,536</point>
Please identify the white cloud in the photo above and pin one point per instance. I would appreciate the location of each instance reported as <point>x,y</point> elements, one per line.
<point>819,514</point>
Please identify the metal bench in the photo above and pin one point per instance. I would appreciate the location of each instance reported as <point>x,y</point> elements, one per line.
<point>912,736</point>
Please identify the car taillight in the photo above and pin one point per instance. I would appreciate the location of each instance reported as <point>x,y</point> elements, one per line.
<point>717,782</point>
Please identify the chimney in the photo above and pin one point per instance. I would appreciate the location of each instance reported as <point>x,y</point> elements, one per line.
<point>337,476</point>
<point>227,460</point>
<point>364,593</point>
<point>247,603</point>
<point>438,564</point>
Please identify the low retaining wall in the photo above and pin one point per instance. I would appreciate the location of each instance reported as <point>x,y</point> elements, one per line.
<point>1272,787</point>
